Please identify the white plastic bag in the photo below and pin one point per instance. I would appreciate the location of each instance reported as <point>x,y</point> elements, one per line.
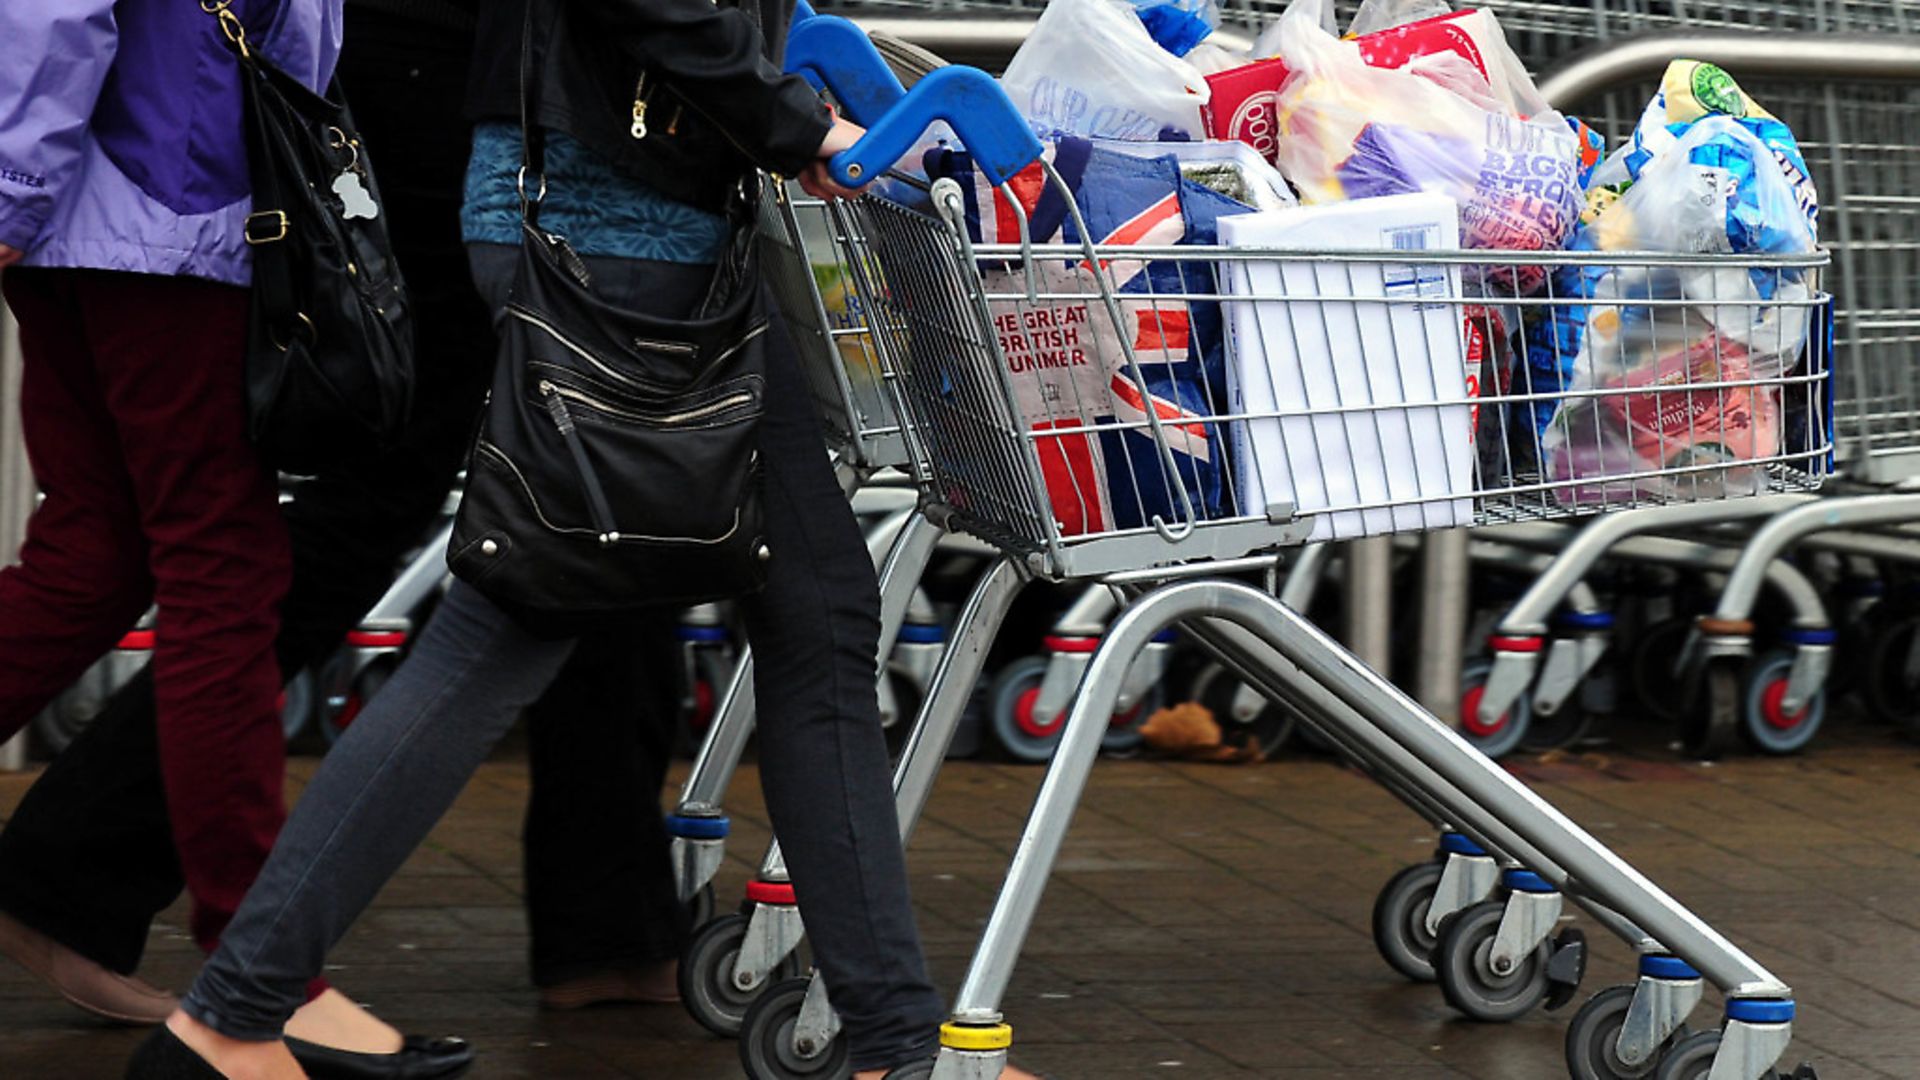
<point>1090,68</point>
<point>1377,15</point>
<point>1349,130</point>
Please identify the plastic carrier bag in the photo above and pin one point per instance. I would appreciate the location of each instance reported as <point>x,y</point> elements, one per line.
<point>1348,130</point>
<point>1712,184</point>
<point>1064,356</point>
<point>1089,67</point>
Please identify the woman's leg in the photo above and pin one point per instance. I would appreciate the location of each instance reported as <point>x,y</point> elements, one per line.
<point>376,796</point>
<point>823,761</point>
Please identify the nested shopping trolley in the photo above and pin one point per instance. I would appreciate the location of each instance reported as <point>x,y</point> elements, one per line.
<point>1768,681</point>
<point>1054,416</point>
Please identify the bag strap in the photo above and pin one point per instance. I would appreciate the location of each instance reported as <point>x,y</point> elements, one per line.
<point>533,137</point>
<point>268,224</point>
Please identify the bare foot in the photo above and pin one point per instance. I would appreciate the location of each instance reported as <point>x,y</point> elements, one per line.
<point>236,1060</point>
<point>1007,1073</point>
<point>332,1019</point>
<point>657,983</point>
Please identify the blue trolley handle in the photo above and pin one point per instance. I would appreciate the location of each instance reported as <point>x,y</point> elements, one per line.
<point>996,136</point>
<point>835,55</point>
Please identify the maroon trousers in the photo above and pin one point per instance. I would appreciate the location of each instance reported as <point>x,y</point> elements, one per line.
<point>134,417</point>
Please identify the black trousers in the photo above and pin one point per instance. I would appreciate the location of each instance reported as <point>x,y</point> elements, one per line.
<point>88,858</point>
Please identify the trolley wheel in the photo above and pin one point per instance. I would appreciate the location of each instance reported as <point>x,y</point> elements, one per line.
<point>1503,735</point>
<point>706,977</point>
<point>1594,1033</point>
<point>1462,963</point>
<point>1123,736</point>
<point>1270,728</point>
<point>1567,725</point>
<point>297,703</point>
<point>767,1049</point>
<point>1015,691</point>
<point>1032,738</point>
<point>1656,687</point>
<point>1400,921</point>
<point>1709,725</point>
<point>1767,726</point>
<point>336,719</point>
<point>1691,1058</point>
<point>1888,690</point>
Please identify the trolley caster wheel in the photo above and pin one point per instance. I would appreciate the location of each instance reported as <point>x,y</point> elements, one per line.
<point>336,715</point>
<point>1400,921</point>
<point>1888,691</point>
<point>1691,1058</point>
<point>1500,736</point>
<point>1032,738</point>
<point>767,1049</point>
<point>706,977</point>
<point>1594,1034</point>
<point>1567,725</point>
<point>1269,728</point>
<point>1566,968</point>
<point>1462,961</point>
<point>1123,738</point>
<point>297,704</point>
<point>1656,687</point>
<point>1714,716</point>
<point>1768,727</point>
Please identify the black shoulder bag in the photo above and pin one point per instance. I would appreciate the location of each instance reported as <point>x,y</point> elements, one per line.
<point>330,340</point>
<point>617,467</point>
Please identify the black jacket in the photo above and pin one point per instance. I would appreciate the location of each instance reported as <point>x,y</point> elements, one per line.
<point>716,103</point>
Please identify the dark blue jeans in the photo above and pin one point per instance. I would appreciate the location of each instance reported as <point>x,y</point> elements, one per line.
<point>814,630</point>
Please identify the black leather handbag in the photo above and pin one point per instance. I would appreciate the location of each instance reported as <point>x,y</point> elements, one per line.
<point>330,339</point>
<point>617,467</point>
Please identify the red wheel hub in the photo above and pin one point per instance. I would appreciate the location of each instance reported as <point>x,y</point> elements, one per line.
<point>348,712</point>
<point>1773,707</point>
<point>1470,714</point>
<point>702,716</point>
<point>1028,723</point>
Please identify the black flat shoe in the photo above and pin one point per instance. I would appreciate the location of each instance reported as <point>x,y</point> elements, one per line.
<point>162,1056</point>
<point>419,1058</point>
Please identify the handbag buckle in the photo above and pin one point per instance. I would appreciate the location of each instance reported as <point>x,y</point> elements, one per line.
<point>273,230</point>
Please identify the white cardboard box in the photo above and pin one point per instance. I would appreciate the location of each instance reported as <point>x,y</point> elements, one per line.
<point>1341,373</point>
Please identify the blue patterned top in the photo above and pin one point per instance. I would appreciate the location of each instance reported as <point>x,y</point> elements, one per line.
<point>598,210</point>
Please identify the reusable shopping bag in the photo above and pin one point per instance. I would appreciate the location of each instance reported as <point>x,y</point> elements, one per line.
<point>1065,357</point>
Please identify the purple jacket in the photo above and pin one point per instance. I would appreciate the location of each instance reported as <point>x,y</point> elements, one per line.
<point>122,145</point>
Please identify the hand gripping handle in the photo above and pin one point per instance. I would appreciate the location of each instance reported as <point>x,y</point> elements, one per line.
<point>835,55</point>
<point>967,99</point>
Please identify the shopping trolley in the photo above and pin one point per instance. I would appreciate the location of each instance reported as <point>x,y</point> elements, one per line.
<point>933,301</point>
<point>1855,134</point>
<point>733,959</point>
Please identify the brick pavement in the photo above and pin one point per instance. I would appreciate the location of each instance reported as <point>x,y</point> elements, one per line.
<point>1207,922</point>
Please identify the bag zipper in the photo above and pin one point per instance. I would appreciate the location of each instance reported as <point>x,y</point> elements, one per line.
<point>599,365</point>
<point>671,348</point>
<point>597,506</point>
<point>500,455</point>
<point>639,128</point>
<point>550,390</point>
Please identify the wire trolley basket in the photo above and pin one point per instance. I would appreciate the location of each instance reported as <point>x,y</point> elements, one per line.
<point>805,257</point>
<point>1105,405</point>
